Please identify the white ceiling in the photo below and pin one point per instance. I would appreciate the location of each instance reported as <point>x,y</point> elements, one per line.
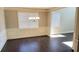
<point>32,7</point>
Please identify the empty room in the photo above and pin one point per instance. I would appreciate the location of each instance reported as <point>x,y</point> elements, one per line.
<point>41,29</point>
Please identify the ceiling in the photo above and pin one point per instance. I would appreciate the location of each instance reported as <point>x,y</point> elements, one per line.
<point>34,7</point>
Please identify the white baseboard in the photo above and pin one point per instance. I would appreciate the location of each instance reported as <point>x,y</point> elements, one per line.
<point>62,32</point>
<point>66,32</point>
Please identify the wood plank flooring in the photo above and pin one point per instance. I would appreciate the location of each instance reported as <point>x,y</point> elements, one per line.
<point>39,44</point>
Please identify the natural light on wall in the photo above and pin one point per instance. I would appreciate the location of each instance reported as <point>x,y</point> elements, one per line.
<point>55,22</point>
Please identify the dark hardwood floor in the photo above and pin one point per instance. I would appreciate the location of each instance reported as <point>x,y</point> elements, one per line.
<point>39,44</point>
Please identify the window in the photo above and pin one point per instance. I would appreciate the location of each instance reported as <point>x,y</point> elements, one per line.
<point>28,20</point>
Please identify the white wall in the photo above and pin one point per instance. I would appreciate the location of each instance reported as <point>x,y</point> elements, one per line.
<point>3,37</point>
<point>67,21</point>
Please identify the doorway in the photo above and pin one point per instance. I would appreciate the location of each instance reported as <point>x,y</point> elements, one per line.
<point>62,26</point>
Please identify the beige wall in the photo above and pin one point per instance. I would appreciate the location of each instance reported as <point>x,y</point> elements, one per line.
<point>11,19</point>
<point>3,37</point>
<point>12,23</point>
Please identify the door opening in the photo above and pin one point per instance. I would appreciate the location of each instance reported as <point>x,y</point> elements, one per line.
<point>62,25</point>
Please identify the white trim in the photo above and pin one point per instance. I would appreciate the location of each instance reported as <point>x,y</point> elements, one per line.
<point>63,32</point>
<point>66,32</point>
<point>3,39</point>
